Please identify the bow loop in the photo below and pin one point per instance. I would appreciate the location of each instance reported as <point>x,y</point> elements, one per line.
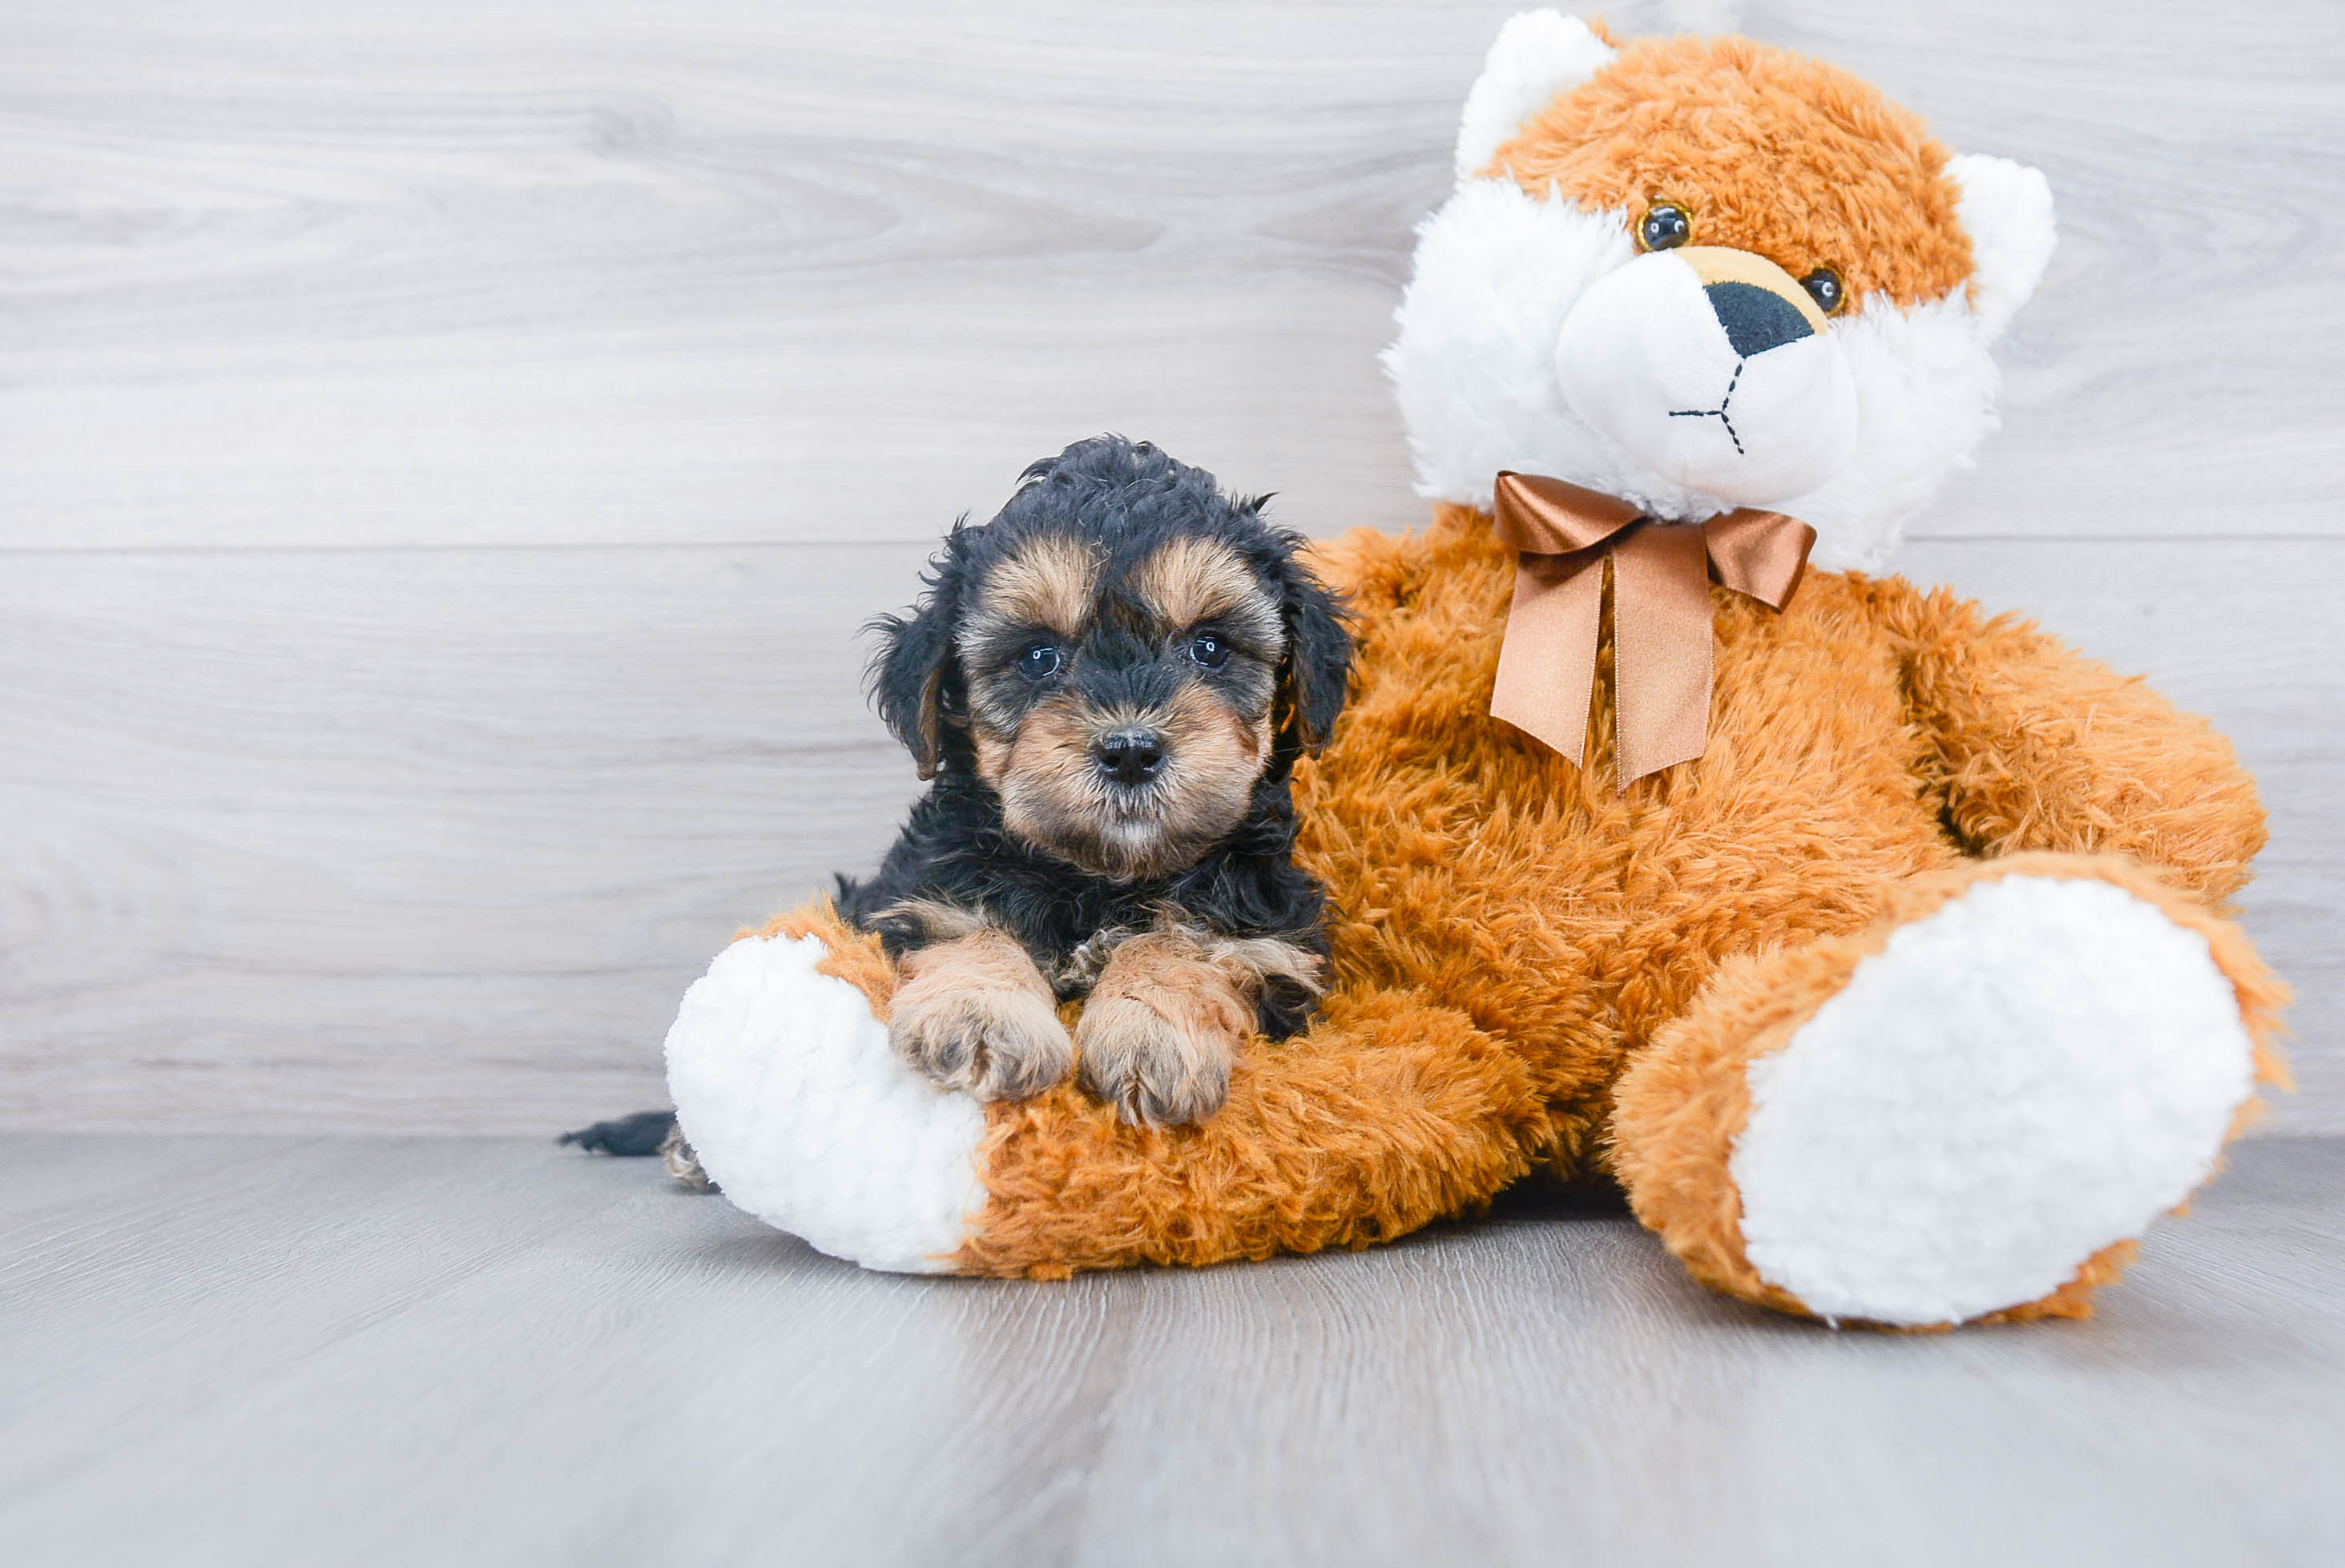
<point>1762,554</point>
<point>1662,621</point>
<point>1542,516</point>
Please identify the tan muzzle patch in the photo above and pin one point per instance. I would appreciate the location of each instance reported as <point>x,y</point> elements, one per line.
<point>1724,264</point>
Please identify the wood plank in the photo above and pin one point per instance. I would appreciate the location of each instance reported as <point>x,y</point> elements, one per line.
<point>56,1178</point>
<point>591,1370</point>
<point>433,839</point>
<point>589,272</point>
<point>2179,288</point>
<point>353,839</point>
<point>252,1257</point>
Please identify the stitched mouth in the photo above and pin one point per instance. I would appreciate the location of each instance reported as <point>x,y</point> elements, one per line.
<point>1719,414</point>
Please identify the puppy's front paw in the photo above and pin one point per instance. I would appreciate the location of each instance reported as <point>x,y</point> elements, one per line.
<point>1162,1030</point>
<point>1156,1070</point>
<point>988,1039</point>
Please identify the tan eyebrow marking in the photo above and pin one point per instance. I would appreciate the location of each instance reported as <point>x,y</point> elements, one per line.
<point>1048,583</point>
<point>1188,580</point>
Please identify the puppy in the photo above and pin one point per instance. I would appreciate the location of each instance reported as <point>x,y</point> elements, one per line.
<point>1107,685</point>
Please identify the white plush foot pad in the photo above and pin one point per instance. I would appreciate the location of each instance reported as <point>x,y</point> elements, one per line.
<point>803,1113</point>
<point>2036,1070</point>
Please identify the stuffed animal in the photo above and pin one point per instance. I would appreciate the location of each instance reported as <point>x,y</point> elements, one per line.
<point>1877,947</point>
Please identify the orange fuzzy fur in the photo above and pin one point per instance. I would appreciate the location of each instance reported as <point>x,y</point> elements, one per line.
<point>1514,932</point>
<point>1767,151</point>
<point>1682,1103</point>
<point>1533,968</point>
<point>1513,929</point>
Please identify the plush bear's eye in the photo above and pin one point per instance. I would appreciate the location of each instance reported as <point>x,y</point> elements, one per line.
<point>1823,287</point>
<point>1665,227</point>
<point>1039,661</point>
<point>1209,650</point>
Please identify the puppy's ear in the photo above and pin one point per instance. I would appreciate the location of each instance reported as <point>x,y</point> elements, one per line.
<point>1316,675</point>
<point>915,679</point>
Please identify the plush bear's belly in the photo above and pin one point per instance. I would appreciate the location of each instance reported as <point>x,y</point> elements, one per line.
<point>1562,914</point>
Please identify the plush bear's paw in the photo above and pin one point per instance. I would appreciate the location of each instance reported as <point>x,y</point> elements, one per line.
<point>794,1105</point>
<point>994,1043</point>
<point>2016,1081</point>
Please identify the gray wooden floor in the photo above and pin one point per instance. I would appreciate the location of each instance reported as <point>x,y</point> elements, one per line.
<point>470,1352</point>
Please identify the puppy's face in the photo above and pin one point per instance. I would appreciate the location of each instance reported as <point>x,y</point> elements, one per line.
<point>1119,702</point>
<point>1121,654</point>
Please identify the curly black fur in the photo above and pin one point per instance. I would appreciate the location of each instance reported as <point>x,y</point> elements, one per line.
<point>954,850</point>
<point>1127,500</point>
<point>1131,498</point>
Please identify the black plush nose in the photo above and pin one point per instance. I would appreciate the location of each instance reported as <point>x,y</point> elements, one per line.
<point>1129,755</point>
<point>1756,319</point>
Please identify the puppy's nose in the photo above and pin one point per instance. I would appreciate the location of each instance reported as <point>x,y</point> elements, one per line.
<point>1129,755</point>
<point>1756,319</point>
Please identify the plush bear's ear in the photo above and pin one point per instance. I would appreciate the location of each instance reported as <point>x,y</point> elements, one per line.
<point>2006,210</point>
<point>1538,55</point>
<point>914,678</point>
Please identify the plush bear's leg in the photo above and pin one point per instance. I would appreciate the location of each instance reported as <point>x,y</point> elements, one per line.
<point>800,1110</point>
<point>1970,1110</point>
<point>1387,1114</point>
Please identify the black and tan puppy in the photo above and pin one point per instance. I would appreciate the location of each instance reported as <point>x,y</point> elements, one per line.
<point>1107,685</point>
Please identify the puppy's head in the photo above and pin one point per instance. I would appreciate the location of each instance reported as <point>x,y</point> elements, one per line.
<point>1122,654</point>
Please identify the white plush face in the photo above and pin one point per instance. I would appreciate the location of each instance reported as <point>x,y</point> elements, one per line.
<point>1537,336</point>
<point>1713,367</point>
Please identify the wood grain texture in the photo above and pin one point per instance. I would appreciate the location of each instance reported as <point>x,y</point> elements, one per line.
<point>365,1352</point>
<point>435,839</point>
<point>601,271</point>
<point>445,453</point>
<point>410,839</point>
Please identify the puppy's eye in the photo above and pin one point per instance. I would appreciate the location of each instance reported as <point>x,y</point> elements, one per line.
<point>1209,650</point>
<point>1823,286</point>
<point>1040,662</point>
<point>1665,227</point>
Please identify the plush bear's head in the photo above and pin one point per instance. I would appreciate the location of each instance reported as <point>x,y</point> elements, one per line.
<point>1701,274</point>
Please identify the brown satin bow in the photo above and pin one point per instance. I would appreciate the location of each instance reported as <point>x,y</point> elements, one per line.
<point>1660,614</point>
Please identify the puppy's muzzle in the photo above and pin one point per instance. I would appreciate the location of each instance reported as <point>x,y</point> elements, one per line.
<point>1714,369</point>
<point>1132,756</point>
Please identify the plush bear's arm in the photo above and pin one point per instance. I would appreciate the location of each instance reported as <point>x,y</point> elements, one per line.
<point>2035,747</point>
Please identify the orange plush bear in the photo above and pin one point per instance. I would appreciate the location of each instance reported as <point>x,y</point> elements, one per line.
<point>1875,947</point>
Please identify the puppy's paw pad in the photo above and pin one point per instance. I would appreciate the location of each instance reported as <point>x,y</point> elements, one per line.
<point>1153,1072</point>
